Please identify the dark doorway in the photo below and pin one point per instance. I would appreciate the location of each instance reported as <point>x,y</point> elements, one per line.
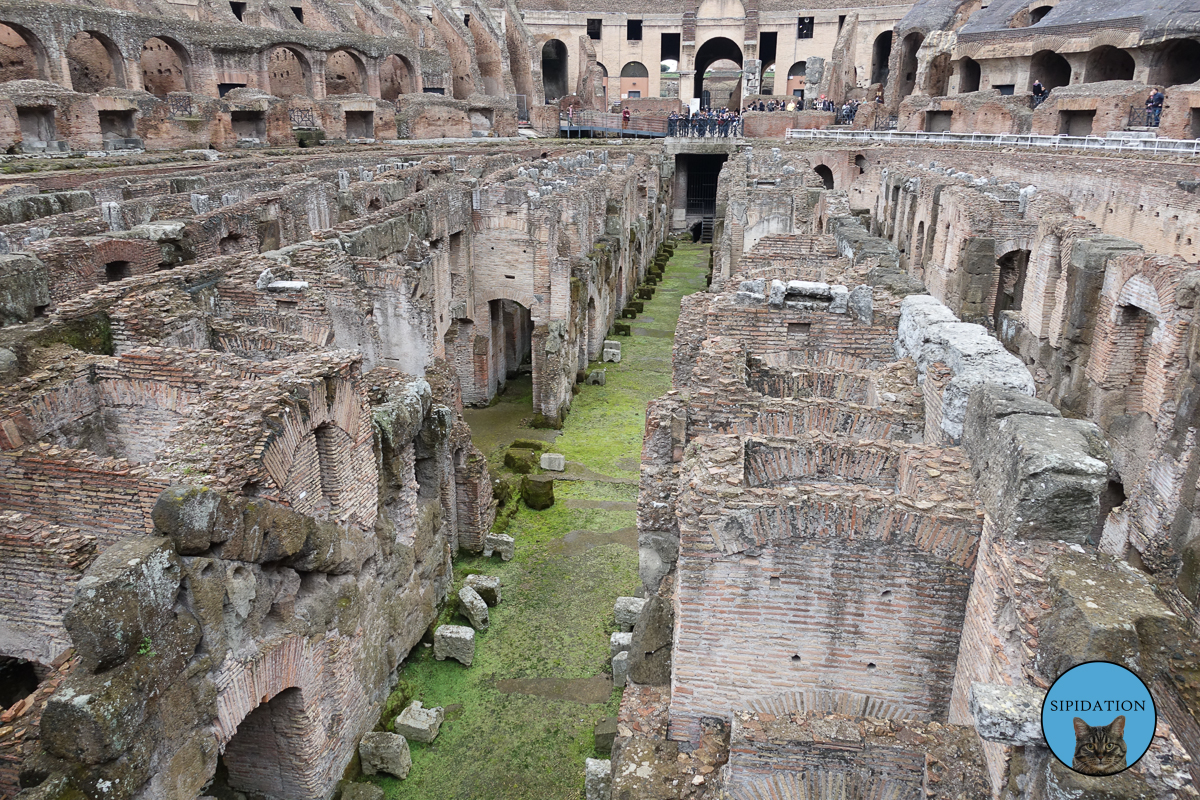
<point>968,76</point>
<point>1107,63</point>
<point>116,271</point>
<point>554,69</point>
<point>701,172</point>
<point>512,342</point>
<point>1177,62</point>
<point>116,124</point>
<point>1050,68</point>
<point>908,64</point>
<point>1112,496</point>
<point>18,680</point>
<point>1010,285</point>
<point>709,53</point>
<point>880,53</point>
<point>826,175</point>
<point>937,121</point>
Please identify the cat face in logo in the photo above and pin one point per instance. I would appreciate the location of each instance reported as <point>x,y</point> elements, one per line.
<point>1099,749</point>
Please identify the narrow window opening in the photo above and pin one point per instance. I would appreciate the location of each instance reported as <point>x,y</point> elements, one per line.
<point>593,28</point>
<point>239,10</point>
<point>633,30</point>
<point>804,28</point>
<point>116,271</point>
<point>299,12</point>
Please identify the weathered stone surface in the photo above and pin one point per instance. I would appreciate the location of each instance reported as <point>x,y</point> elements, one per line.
<point>611,352</point>
<point>499,543</point>
<point>650,647</point>
<point>1008,714</point>
<point>619,642</point>
<point>362,791</point>
<point>1066,784</point>
<point>604,734</point>
<point>384,752</point>
<point>537,491</point>
<point>597,781</point>
<point>9,368</point>
<point>454,641</point>
<point>1103,610</point>
<point>775,298</point>
<point>626,611</point>
<point>555,462</point>
<point>473,608</point>
<point>24,287</point>
<point>520,460</point>
<point>488,587</point>
<point>657,553</point>
<point>860,304</point>
<point>196,517</point>
<point>419,724</point>
<point>123,599</point>
<point>595,378</point>
<point>620,668</point>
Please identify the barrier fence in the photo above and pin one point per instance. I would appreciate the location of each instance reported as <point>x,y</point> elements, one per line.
<point>1186,147</point>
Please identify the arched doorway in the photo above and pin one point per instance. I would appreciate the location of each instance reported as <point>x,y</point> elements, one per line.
<point>1108,63</point>
<point>344,73</point>
<point>1038,14</point>
<point>22,56</point>
<point>395,78</point>
<point>165,67</point>
<point>937,78</point>
<point>94,62</point>
<point>881,51</point>
<point>272,753</point>
<point>604,82</point>
<point>635,80</point>
<point>826,175</point>
<point>1050,68</point>
<point>1176,63</point>
<point>554,70</point>
<point>290,74</point>
<point>968,75</point>
<point>796,79</point>
<point>1010,284</point>
<point>908,64</point>
<point>708,55</point>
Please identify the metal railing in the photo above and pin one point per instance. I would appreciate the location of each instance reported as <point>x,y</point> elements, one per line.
<point>1144,117</point>
<point>1186,147</point>
<point>637,125</point>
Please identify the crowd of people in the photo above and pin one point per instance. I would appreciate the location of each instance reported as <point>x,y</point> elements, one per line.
<point>714,122</point>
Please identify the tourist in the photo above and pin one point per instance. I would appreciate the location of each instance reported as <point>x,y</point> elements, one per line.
<point>1157,98</point>
<point>625,118</point>
<point>1039,93</point>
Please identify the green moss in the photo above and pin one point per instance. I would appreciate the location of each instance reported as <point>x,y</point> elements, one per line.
<point>556,615</point>
<point>91,334</point>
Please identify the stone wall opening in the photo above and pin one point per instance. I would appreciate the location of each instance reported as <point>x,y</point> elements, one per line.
<point>488,57</point>
<point>1132,335</point>
<point>968,75</point>
<point>1010,283</point>
<point>331,450</point>
<point>554,70</point>
<point>1178,62</point>
<point>22,56</point>
<point>94,62</point>
<point>707,55</point>
<point>1076,123</point>
<point>826,175</point>
<point>1050,68</point>
<point>344,74</point>
<point>116,124</point>
<point>937,121</point>
<point>360,124</point>
<point>512,341</point>
<point>275,751</point>
<point>796,79</point>
<point>18,680</point>
<point>1107,63</point>
<point>37,126</point>
<point>880,52</point>
<point>395,78</point>
<point>249,125</point>
<point>116,271</point>
<point>908,64</point>
<point>165,67</point>
<point>289,73</point>
<point>937,80</point>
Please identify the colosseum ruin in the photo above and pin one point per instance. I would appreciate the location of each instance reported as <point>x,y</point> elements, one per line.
<point>844,393</point>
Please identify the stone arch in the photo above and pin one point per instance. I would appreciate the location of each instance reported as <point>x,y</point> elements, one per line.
<point>713,50</point>
<point>1108,63</point>
<point>826,175</point>
<point>1176,62</point>
<point>861,162</point>
<point>275,751</point>
<point>1038,13</point>
<point>634,69</point>
<point>166,66</point>
<point>22,54</point>
<point>1050,68</point>
<point>937,75</point>
<point>511,336</point>
<point>488,56</point>
<point>881,51</point>
<point>289,72</point>
<point>635,78</point>
<point>908,64</point>
<point>969,74</point>
<point>396,77</point>
<point>94,62</point>
<point>796,78</point>
<point>554,70</point>
<point>345,73</point>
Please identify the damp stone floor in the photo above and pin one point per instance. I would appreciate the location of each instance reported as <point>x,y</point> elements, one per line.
<point>519,721</point>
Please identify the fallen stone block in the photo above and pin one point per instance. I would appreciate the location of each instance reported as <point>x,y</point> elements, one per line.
<point>620,665</point>
<point>501,544</point>
<point>488,587</point>
<point>520,460</point>
<point>604,734</point>
<point>1008,714</point>
<point>621,329</point>
<point>595,377</point>
<point>555,462</point>
<point>537,491</point>
<point>454,641</point>
<point>626,610</point>
<point>473,608</point>
<point>611,353</point>
<point>384,752</point>
<point>650,648</point>
<point>619,642</point>
<point>362,791</point>
<point>597,780</point>
<point>418,723</point>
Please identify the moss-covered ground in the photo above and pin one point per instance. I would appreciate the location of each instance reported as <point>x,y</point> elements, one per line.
<point>520,719</point>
